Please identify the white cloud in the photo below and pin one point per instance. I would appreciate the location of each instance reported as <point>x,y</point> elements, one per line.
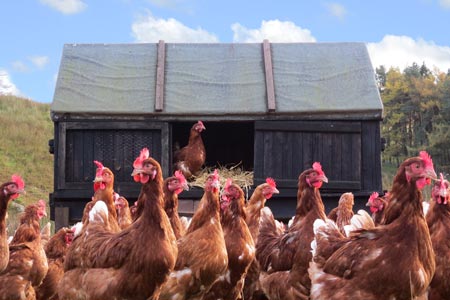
<point>6,85</point>
<point>166,3</point>
<point>66,7</point>
<point>20,66</point>
<point>403,51</point>
<point>151,29</point>
<point>39,61</point>
<point>445,3</point>
<point>274,30</point>
<point>336,10</point>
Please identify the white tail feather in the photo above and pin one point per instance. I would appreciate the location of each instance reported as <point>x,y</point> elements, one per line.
<point>313,247</point>
<point>318,223</point>
<point>361,220</point>
<point>98,212</point>
<point>425,206</point>
<point>77,229</point>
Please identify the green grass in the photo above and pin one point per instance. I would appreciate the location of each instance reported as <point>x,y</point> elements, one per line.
<point>25,128</point>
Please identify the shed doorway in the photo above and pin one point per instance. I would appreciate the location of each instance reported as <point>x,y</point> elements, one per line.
<point>227,144</point>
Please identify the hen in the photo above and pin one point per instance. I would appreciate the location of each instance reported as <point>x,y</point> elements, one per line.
<point>104,191</point>
<point>438,220</point>
<point>239,244</point>
<point>8,191</point>
<point>123,211</point>
<point>202,254</point>
<point>191,157</point>
<point>27,264</point>
<point>253,207</point>
<point>377,205</point>
<point>172,187</point>
<point>55,250</point>
<point>131,264</point>
<point>286,258</point>
<point>394,260</point>
<point>343,213</point>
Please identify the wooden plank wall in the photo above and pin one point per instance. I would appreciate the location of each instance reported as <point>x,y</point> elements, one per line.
<point>284,149</point>
<point>115,144</point>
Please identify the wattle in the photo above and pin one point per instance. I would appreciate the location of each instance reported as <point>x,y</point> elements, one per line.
<point>422,182</point>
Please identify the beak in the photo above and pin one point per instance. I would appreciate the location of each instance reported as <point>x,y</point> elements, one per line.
<point>368,203</point>
<point>98,179</point>
<point>136,171</point>
<point>275,191</point>
<point>323,178</point>
<point>430,173</point>
<point>185,186</point>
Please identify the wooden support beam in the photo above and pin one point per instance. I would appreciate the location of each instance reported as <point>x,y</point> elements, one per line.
<point>270,86</point>
<point>160,67</point>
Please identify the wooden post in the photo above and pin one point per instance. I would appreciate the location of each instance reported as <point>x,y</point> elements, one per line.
<point>61,217</point>
<point>160,67</point>
<point>270,86</point>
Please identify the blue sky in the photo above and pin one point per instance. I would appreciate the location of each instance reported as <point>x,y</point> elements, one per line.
<point>397,33</point>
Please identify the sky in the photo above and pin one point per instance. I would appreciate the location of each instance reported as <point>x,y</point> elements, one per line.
<point>33,32</point>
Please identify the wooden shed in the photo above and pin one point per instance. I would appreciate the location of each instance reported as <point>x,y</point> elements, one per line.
<point>273,107</point>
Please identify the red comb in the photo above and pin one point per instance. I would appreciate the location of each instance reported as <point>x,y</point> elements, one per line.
<point>271,182</point>
<point>216,174</point>
<point>317,167</point>
<point>145,153</point>
<point>179,175</point>
<point>100,167</point>
<point>18,180</point>
<point>426,158</point>
<point>41,203</point>
<point>373,196</point>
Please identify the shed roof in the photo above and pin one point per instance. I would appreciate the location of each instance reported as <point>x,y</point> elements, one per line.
<point>217,79</point>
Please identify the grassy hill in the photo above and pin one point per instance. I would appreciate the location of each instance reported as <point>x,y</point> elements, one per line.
<point>26,128</point>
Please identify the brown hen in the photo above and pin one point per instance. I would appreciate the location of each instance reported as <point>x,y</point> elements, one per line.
<point>131,264</point>
<point>394,260</point>
<point>191,157</point>
<point>8,191</point>
<point>438,220</point>
<point>239,244</point>
<point>202,254</point>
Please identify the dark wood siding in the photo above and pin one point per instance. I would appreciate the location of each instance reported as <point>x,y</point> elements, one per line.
<point>283,149</point>
<point>115,144</point>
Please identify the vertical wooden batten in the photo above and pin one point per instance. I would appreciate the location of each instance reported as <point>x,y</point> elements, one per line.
<point>270,87</point>
<point>160,68</point>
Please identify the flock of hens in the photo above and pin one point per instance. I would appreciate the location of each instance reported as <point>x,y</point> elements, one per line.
<point>233,248</point>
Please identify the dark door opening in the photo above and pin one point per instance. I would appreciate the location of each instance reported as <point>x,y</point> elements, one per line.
<point>226,143</point>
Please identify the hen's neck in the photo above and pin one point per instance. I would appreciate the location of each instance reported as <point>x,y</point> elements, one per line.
<point>236,211</point>
<point>209,208</point>
<point>194,135</point>
<point>438,213</point>
<point>405,200</point>
<point>152,197</point>
<point>310,201</point>
<point>170,202</point>
<point>257,200</point>
<point>4,200</point>
<point>107,196</point>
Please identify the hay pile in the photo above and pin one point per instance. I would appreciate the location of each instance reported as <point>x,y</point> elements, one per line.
<point>240,177</point>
